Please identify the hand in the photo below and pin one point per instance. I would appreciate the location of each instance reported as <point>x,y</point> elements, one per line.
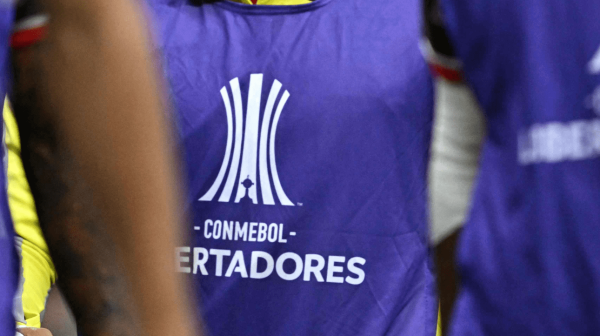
<point>33,332</point>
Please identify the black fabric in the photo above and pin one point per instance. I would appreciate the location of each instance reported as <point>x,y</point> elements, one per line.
<point>27,9</point>
<point>434,29</point>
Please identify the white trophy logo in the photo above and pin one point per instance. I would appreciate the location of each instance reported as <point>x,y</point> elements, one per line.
<point>252,149</point>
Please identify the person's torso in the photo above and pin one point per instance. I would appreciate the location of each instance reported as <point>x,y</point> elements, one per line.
<point>530,253</point>
<point>306,132</point>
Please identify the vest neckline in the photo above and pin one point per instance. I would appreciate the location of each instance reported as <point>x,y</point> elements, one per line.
<point>270,9</point>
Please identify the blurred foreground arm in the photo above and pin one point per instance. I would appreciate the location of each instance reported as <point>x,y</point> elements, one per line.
<point>98,155</point>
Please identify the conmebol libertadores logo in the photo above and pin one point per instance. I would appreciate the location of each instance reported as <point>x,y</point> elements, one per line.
<point>254,147</point>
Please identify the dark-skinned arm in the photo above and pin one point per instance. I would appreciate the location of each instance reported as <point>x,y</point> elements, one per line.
<point>96,153</point>
<point>91,274</point>
<point>445,257</point>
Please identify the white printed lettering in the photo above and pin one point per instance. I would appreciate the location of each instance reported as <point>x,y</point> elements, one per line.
<point>254,273</point>
<point>556,142</point>
<point>262,232</point>
<point>251,236</point>
<point>332,269</point>
<point>316,270</point>
<point>217,230</point>
<point>199,263</point>
<point>228,230</point>
<point>237,265</point>
<point>297,271</point>
<point>357,271</point>
<point>281,240</point>
<point>289,266</point>
<point>180,259</point>
<point>241,232</point>
<point>206,224</point>
<point>219,254</point>
<point>273,233</point>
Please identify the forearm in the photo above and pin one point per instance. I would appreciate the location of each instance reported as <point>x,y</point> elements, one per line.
<point>86,257</point>
<point>448,280</point>
<point>108,111</point>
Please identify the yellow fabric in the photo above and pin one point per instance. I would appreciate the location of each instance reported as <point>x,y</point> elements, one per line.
<point>275,2</point>
<point>439,324</point>
<point>38,269</point>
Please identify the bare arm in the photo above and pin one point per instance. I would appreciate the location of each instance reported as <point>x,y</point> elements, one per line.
<point>448,280</point>
<point>86,257</point>
<point>96,152</point>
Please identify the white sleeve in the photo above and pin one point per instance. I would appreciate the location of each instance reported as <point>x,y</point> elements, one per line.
<point>458,133</point>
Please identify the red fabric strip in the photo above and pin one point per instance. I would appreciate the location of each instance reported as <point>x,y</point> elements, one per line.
<point>25,38</point>
<point>446,73</point>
